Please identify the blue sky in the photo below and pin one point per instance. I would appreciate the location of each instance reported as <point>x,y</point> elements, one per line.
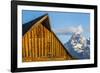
<point>62,21</point>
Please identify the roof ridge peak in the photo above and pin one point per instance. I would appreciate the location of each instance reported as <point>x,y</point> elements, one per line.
<point>28,25</point>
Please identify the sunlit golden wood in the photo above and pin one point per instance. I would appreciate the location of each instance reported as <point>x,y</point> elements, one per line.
<point>41,44</point>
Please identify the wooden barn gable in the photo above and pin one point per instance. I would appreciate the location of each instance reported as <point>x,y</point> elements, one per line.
<point>39,42</point>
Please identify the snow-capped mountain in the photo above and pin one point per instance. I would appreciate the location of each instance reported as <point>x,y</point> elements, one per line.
<point>78,46</point>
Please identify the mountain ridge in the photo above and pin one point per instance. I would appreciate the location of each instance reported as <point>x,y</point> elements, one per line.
<point>78,46</point>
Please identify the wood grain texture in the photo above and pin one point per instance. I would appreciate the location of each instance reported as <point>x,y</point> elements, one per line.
<point>41,44</point>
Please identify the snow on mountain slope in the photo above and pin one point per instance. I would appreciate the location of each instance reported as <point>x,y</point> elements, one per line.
<point>78,46</point>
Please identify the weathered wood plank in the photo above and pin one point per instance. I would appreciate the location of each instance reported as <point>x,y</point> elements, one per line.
<point>29,44</point>
<point>26,45</point>
<point>23,47</point>
<point>40,44</point>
